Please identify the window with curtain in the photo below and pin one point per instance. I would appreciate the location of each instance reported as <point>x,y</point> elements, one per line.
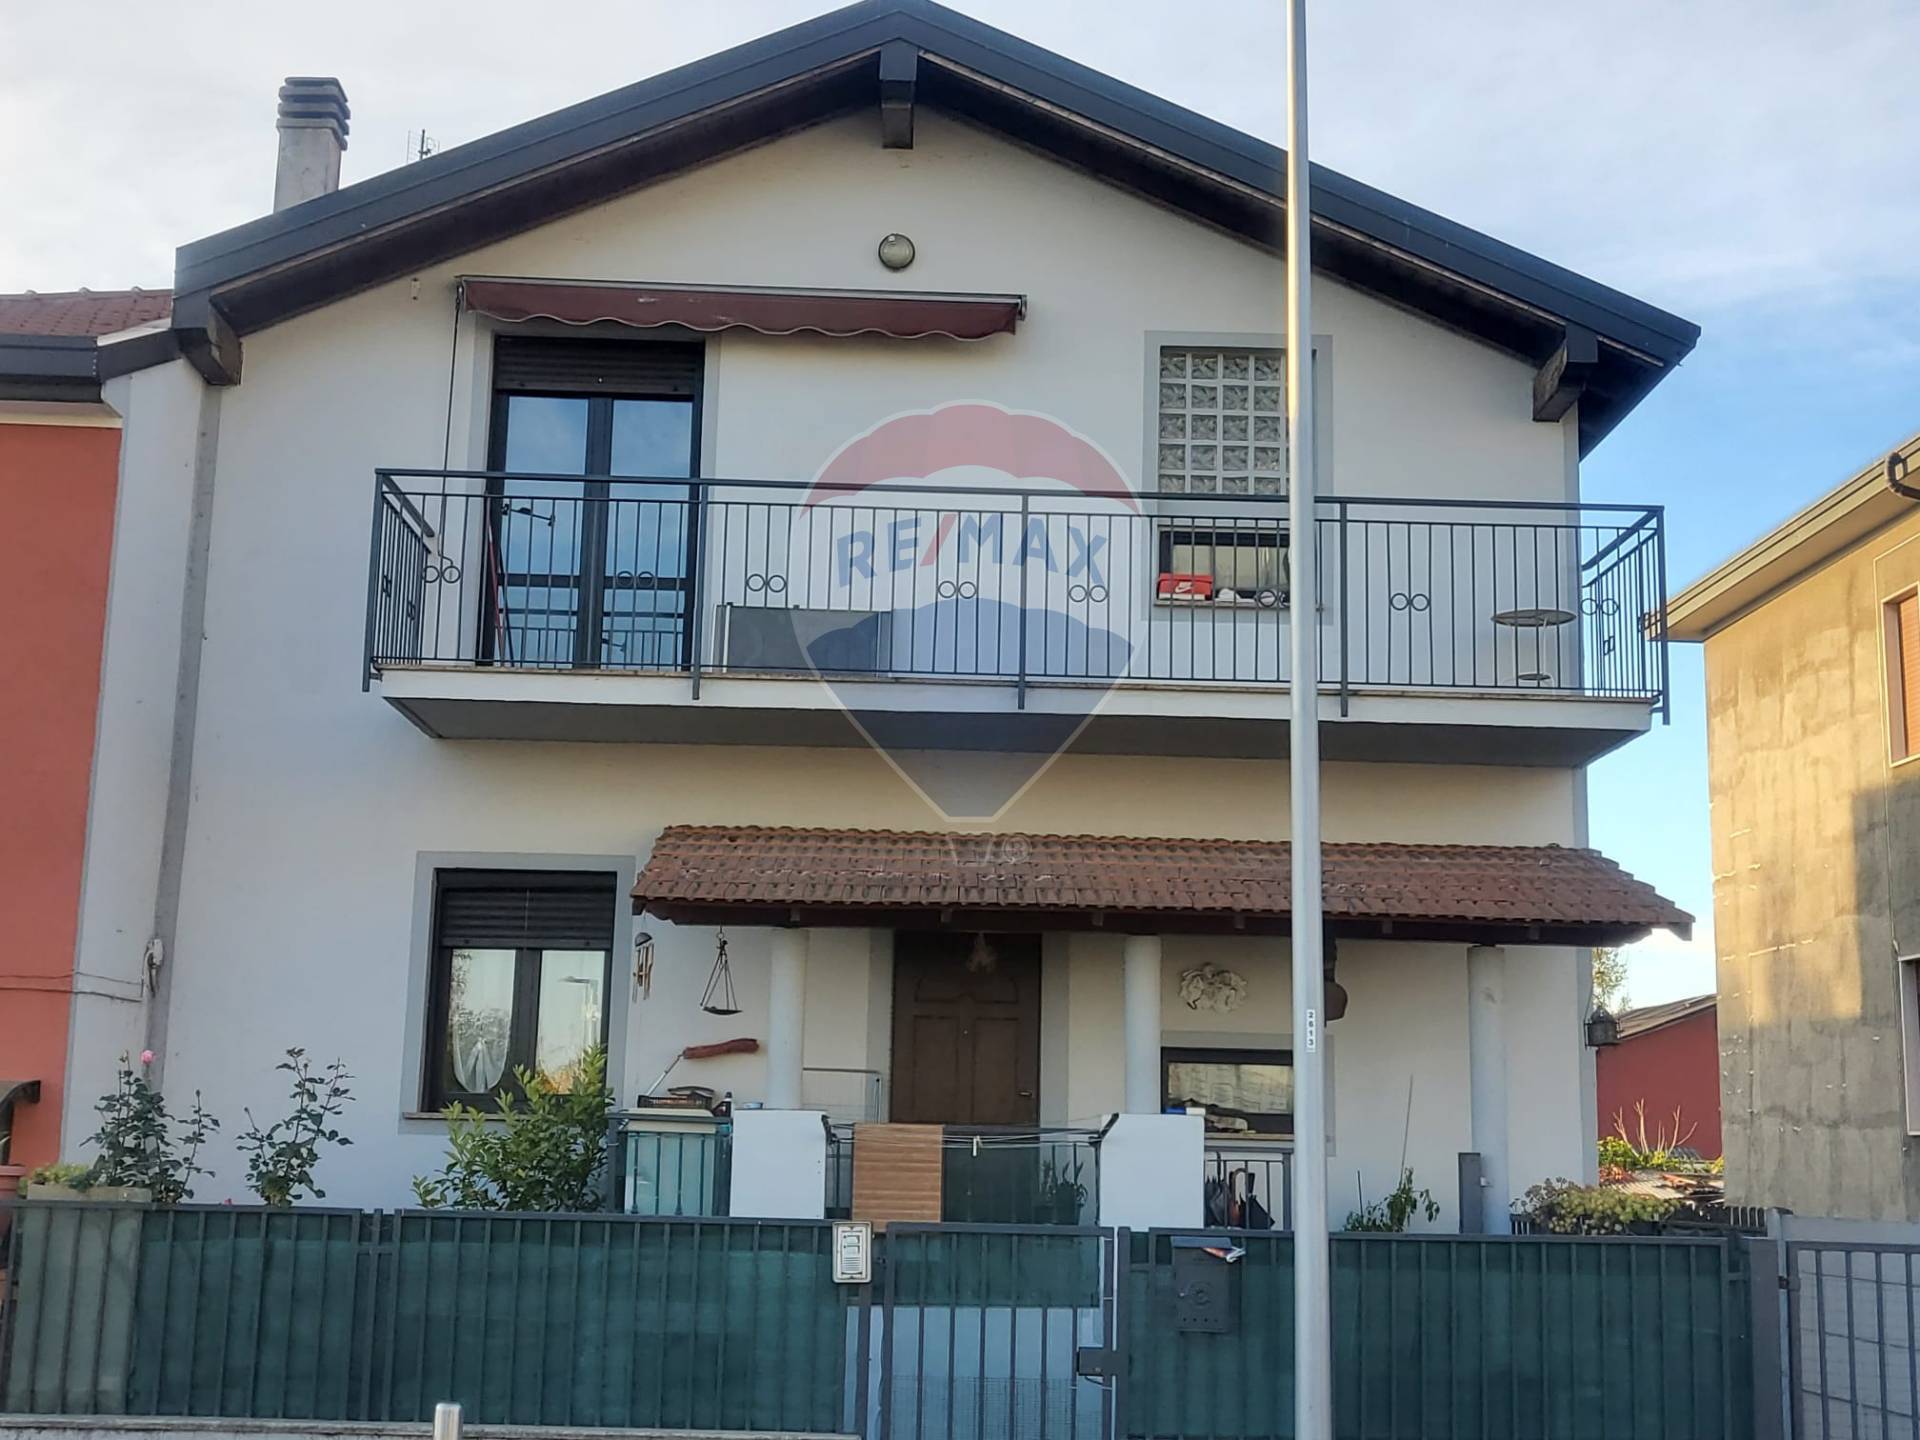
<point>1243,1092</point>
<point>521,968</point>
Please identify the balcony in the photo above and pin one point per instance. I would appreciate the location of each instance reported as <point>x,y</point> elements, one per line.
<point>548,607</point>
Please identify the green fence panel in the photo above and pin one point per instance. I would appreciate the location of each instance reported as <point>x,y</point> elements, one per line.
<point>246,1312</point>
<point>69,1321</point>
<point>601,1321</point>
<point>1444,1336</point>
<point>338,1315</point>
<point>973,1266</point>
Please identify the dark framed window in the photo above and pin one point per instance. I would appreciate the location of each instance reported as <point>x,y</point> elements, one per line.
<point>593,571</point>
<point>1903,675</point>
<point>1244,563</point>
<point>522,962</point>
<point>1244,1092</point>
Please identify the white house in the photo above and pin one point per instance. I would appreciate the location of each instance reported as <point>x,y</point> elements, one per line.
<point>937,662</point>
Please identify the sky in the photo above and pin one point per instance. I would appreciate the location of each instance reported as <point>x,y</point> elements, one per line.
<point>1749,164</point>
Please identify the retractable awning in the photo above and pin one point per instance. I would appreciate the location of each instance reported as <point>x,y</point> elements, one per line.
<point>1495,894</point>
<point>768,310</point>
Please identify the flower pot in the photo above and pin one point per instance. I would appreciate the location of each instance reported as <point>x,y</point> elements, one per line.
<point>98,1195</point>
<point>10,1177</point>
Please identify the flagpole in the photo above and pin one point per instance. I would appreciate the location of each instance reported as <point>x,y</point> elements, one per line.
<point>1312,1334</point>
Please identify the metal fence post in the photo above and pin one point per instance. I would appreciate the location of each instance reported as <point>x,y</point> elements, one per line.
<point>373,580</point>
<point>1020,553</point>
<point>446,1421</point>
<point>1768,1291</point>
<point>1342,611</point>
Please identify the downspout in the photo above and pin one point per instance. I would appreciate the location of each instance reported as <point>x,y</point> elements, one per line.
<point>162,950</point>
<point>1897,477</point>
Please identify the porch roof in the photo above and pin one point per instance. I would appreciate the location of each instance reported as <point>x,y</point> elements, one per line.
<point>1513,894</point>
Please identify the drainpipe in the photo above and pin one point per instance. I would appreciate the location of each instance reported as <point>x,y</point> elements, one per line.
<point>1487,1078</point>
<point>1897,477</point>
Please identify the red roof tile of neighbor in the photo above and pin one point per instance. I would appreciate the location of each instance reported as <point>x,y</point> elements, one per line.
<point>82,312</point>
<point>713,869</point>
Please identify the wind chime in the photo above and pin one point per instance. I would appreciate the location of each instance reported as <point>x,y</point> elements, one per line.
<point>719,998</point>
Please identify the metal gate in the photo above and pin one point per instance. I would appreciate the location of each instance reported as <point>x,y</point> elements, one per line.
<point>1851,1337</point>
<point>991,1330</point>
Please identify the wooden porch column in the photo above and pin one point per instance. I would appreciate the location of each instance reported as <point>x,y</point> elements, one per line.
<point>1487,1078</point>
<point>786,1019</point>
<point>1142,954</point>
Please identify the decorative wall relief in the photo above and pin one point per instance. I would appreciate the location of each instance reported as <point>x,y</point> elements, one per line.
<point>1209,987</point>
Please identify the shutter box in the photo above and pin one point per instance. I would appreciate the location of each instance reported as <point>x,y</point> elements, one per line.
<point>659,368</point>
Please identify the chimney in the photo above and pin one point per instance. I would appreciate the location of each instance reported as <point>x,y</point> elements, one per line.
<point>313,132</point>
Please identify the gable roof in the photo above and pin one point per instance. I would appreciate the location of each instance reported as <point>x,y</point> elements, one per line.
<point>82,312</point>
<point>1830,526</point>
<point>1657,1017</point>
<point>50,343</point>
<point>879,51</point>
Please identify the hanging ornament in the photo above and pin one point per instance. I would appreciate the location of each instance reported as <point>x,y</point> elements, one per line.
<point>981,957</point>
<point>719,997</point>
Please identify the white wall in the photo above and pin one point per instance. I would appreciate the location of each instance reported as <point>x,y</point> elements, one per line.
<point>313,801</point>
<point>133,749</point>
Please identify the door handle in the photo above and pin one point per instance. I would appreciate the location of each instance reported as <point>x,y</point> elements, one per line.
<point>1026,1094</point>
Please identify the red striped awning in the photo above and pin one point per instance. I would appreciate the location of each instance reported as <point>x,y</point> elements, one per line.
<point>902,314</point>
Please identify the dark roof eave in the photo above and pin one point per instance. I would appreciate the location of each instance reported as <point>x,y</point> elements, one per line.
<point>825,53</point>
<point>1134,922</point>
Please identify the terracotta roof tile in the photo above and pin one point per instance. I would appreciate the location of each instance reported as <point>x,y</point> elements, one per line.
<point>716,869</point>
<point>82,312</point>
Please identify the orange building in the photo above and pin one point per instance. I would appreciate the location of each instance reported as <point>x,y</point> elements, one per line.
<point>59,476</point>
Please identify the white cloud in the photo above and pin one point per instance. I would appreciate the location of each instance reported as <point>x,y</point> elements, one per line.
<point>1664,967</point>
<point>1707,155</point>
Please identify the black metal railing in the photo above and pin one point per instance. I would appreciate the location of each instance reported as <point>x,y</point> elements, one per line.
<point>661,1166</point>
<point>1021,587</point>
<point>1249,1186</point>
<point>994,1175</point>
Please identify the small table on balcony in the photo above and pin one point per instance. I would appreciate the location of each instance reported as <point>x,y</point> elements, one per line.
<point>1534,618</point>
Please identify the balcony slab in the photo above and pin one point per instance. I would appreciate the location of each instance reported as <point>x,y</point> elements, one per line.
<point>1526,728</point>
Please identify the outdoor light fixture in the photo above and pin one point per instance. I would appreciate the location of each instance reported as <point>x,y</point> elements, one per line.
<point>1602,1028</point>
<point>896,251</point>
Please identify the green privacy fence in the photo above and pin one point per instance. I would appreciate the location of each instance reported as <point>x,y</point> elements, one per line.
<point>339,1315</point>
<point>967,1332</point>
<point>1443,1336</point>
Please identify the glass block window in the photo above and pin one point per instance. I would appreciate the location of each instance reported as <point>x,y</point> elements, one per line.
<point>1222,421</point>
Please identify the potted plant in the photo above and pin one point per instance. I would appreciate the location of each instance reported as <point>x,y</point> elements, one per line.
<point>1062,1196</point>
<point>63,1180</point>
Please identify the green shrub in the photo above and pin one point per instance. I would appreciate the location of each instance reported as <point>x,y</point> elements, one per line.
<point>1392,1214</point>
<point>1565,1208</point>
<point>281,1158</point>
<point>70,1173</point>
<point>544,1152</point>
<point>136,1137</point>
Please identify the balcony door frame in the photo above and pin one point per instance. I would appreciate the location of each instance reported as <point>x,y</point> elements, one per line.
<point>597,480</point>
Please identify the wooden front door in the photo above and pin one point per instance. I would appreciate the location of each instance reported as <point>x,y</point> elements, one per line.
<point>966,1041</point>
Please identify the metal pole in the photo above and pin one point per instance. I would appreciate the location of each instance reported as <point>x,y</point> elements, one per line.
<point>446,1421</point>
<point>1312,1334</point>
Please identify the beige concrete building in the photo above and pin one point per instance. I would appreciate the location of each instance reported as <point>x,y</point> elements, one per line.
<point>1812,638</point>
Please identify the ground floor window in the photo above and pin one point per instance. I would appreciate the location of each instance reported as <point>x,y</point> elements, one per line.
<point>521,965</point>
<point>1242,1092</point>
